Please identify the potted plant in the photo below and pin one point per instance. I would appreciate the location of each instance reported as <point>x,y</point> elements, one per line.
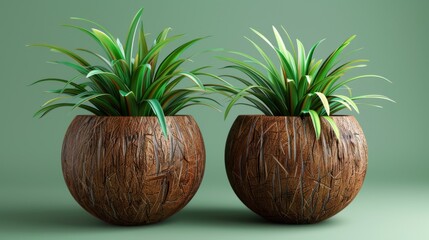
<point>134,161</point>
<point>299,162</point>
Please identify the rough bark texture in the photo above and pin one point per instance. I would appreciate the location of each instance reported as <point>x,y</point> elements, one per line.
<point>124,171</point>
<point>280,171</point>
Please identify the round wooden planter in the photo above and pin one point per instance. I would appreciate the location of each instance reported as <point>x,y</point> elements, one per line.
<point>280,171</point>
<point>124,171</point>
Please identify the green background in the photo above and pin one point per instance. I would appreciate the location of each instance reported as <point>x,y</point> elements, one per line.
<point>34,201</point>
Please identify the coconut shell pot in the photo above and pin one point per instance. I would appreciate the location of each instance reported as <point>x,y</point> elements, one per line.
<point>124,171</point>
<point>279,170</point>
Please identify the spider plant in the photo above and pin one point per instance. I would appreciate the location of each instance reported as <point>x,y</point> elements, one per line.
<point>129,79</point>
<point>299,85</point>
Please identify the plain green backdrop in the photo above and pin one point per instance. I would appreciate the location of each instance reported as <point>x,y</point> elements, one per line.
<point>34,201</point>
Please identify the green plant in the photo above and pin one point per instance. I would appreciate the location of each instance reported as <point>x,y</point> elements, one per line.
<point>129,81</point>
<point>303,86</point>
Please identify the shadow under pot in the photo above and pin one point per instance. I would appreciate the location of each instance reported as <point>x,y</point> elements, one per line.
<point>124,171</point>
<point>280,171</point>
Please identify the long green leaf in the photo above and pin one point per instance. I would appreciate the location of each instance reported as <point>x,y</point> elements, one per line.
<point>316,122</point>
<point>310,56</point>
<point>157,109</point>
<point>193,78</point>
<point>54,100</point>
<point>109,44</point>
<point>290,40</point>
<point>103,59</point>
<point>300,61</point>
<point>274,73</point>
<point>343,83</point>
<point>333,126</point>
<point>44,110</point>
<point>67,82</point>
<point>141,74</point>
<point>237,97</point>
<point>174,55</point>
<point>329,62</point>
<point>89,98</point>
<point>119,83</point>
<point>69,53</point>
<point>142,46</point>
<point>324,100</point>
<point>130,102</point>
<point>348,101</point>
<point>373,96</point>
<point>280,42</point>
<point>130,37</point>
<point>96,24</point>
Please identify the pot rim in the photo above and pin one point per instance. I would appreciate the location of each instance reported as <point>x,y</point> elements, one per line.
<point>108,116</point>
<point>269,116</point>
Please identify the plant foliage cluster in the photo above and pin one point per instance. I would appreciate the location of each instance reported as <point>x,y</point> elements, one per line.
<point>299,85</point>
<point>131,79</point>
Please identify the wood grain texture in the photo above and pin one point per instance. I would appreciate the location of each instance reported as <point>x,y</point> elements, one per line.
<point>280,171</point>
<point>125,172</point>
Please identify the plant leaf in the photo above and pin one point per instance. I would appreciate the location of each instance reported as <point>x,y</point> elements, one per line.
<point>193,78</point>
<point>108,44</point>
<point>300,61</point>
<point>130,102</point>
<point>237,97</point>
<point>316,122</point>
<point>69,53</point>
<point>333,126</point>
<point>90,97</point>
<point>324,100</point>
<point>44,110</point>
<point>130,37</point>
<point>329,62</point>
<point>373,96</point>
<point>348,101</point>
<point>157,109</point>
<point>310,57</point>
